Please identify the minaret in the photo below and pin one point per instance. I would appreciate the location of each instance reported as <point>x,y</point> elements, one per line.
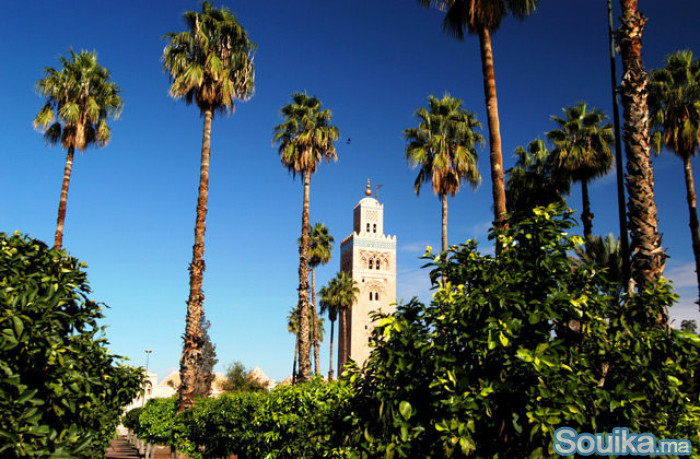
<point>369,256</point>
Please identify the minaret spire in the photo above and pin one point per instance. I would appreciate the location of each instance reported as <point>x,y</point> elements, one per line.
<point>368,191</point>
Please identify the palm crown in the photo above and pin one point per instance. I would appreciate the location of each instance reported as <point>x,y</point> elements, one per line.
<point>339,295</point>
<point>536,179</point>
<point>320,245</point>
<point>306,136</point>
<point>210,64</point>
<point>79,99</point>
<point>444,146</point>
<point>472,14</point>
<point>582,142</point>
<point>674,103</point>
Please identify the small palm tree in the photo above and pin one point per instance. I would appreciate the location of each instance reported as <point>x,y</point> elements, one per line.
<point>305,138</point>
<point>320,252</point>
<point>674,103</point>
<point>210,64</point>
<point>293,320</point>
<point>443,146</point>
<point>582,145</point>
<point>482,17</point>
<point>536,179</point>
<point>606,253</point>
<point>79,100</point>
<point>337,298</point>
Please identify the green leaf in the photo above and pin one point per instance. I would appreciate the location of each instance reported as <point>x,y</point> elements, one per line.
<point>405,409</point>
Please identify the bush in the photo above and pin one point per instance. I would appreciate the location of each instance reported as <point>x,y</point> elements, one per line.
<point>512,348</point>
<point>131,419</point>
<point>61,390</point>
<point>156,421</point>
<point>288,422</point>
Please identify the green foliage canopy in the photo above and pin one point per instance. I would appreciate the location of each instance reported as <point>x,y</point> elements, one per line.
<point>61,389</point>
<point>512,348</point>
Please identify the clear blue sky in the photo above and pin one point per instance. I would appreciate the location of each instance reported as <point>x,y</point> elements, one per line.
<point>131,206</point>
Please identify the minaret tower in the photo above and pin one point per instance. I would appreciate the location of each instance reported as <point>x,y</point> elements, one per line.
<point>369,256</point>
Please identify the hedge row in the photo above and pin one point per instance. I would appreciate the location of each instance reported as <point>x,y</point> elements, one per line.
<point>292,421</point>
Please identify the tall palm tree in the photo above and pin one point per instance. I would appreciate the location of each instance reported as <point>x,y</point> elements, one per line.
<point>648,257</point>
<point>536,179</point>
<point>305,138</point>
<point>582,145</point>
<point>443,146</point>
<point>482,17</point>
<point>320,252</point>
<point>607,253</point>
<point>79,100</point>
<point>210,64</point>
<point>674,102</point>
<point>337,298</point>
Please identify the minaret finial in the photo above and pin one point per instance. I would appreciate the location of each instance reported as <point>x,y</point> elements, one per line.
<point>368,191</point>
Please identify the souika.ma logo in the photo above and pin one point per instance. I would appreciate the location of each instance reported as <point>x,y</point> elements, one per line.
<point>621,442</point>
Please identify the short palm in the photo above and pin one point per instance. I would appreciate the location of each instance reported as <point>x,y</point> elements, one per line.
<point>320,251</point>
<point>582,145</point>
<point>79,100</point>
<point>443,148</point>
<point>674,103</point>
<point>337,298</point>
<point>305,138</point>
<point>536,179</point>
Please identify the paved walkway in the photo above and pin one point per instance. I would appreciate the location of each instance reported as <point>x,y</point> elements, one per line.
<point>121,449</point>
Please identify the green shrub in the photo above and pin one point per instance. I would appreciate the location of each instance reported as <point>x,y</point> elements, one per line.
<point>156,422</point>
<point>61,390</point>
<point>288,422</point>
<point>131,419</point>
<point>512,348</point>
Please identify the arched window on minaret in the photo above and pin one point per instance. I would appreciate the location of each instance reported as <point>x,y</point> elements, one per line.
<point>370,296</point>
<point>368,227</point>
<point>370,263</point>
<point>374,228</point>
<point>378,264</point>
<point>376,296</point>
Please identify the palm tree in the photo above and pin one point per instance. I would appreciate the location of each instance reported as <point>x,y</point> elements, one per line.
<point>606,253</point>
<point>320,252</point>
<point>536,179</point>
<point>79,100</point>
<point>482,17</point>
<point>443,146</point>
<point>648,257</point>
<point>305,138</point>
<point>210,64</point>
<point>338,297</point>
<point>582,146</point>
<point>293,327</point>
<point>674,102</point>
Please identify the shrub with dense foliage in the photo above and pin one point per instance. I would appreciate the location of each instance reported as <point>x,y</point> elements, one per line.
<point>515,346</point>
<point>61,390</point>
<point>304,420</point>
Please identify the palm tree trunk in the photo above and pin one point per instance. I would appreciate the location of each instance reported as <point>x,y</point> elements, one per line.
<point>346,346</point>
<point>497,185</point>
<point>330,366</point>
<point>296,354</point>
<point>586,215</point>
<point>648,257</point>
<point>304,347</point>
<point>58,240</point>
<point>444,222</point>
<point>693,214</point>
<point>192,347</point>
<point>317,350</point>
<point>622,214</point>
